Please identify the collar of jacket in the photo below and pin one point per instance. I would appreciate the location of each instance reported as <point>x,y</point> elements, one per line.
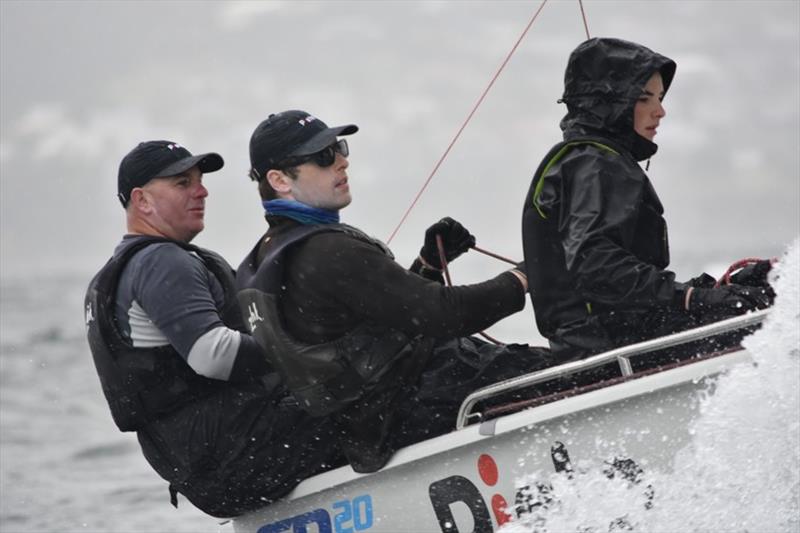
<point>637,146</point>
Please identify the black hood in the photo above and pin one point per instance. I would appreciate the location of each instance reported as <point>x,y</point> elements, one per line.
<point>603,80</point>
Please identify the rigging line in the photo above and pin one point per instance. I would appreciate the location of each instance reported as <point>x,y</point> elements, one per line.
<point>496,256</point>
<point>585,24</point>
<point>449,283</point>
<point>443,260</point>
<point>725,279</point>
<point>464,125</point>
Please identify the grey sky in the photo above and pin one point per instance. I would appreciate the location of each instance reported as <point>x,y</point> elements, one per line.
<point>83,82</point>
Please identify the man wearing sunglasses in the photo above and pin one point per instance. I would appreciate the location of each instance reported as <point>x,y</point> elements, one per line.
<point>357,338</point>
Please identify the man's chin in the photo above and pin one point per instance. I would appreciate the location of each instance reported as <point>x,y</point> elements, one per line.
<point>341,203</point>
<point>345,202</point>
<point>194,233</point>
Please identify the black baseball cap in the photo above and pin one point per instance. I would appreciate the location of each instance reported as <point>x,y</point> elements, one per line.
<point>159,159</point>
<point>290,134</point>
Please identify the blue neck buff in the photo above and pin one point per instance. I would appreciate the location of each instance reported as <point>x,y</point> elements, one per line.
<point>302,213</point>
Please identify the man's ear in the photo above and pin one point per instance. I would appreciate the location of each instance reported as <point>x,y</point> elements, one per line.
<point>279,181</point>
<point>140,200</point>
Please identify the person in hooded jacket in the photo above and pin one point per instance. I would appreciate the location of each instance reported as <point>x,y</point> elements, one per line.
<point>594,236</point>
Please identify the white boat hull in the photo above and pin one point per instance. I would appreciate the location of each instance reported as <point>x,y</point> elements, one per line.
<point>477,478</point>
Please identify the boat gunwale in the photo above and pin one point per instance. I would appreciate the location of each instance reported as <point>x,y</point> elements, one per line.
<point>621,355</point>
<point>513,407</point>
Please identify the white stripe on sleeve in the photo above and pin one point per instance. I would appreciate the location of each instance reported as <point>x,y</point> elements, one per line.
<point>144,334</point>
<point>213,354</point>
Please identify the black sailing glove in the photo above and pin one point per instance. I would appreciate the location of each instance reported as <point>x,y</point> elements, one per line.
<point>432,274</point>
<point>704,281</point>
<point>728,300</point>
<point>455,239</point>
<point>754,274</point>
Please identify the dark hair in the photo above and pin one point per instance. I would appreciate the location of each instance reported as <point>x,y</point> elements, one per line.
<point>265,189</point>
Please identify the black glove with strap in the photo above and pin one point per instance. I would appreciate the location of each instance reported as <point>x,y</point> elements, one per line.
<point>754,274</point>
<point>455,240</point>
<point>705,281</point>
<point>728,300</point>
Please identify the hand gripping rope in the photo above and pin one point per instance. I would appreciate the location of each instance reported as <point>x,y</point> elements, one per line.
<point>449,282</point>
<point>725,279</point>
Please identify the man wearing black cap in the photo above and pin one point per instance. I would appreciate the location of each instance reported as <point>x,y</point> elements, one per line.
<point>354,335</point>
<point>166,337</point>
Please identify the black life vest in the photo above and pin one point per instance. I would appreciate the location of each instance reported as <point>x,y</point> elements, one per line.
<point>143,384</point>
<point>325,377</point>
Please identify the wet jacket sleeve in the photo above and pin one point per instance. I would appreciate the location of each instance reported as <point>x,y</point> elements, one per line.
<point>348,272</point>
<point>602,202</point>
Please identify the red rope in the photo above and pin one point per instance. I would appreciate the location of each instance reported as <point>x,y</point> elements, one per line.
<point>491,254</point>
<point>464,125</point>
<point>490,338</point>
<point>443,261</point>
<point>585,24</point>
<point>725,279</point>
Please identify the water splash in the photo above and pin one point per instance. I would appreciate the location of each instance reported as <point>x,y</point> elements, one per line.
<point>739,473</point>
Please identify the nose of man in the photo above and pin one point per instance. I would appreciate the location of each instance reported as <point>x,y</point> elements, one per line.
<point>341,161</point>
<point>200,191</point>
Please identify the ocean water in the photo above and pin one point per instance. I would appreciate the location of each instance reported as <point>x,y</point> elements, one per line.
<point>65,467</point>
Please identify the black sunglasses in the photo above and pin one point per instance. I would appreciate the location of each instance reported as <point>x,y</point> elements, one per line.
<point>324,158</point>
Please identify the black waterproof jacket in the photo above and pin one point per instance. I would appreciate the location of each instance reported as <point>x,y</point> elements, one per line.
<point>381,345</point>
<point>594,238</point>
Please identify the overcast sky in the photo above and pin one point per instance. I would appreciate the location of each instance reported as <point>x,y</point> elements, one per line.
<point>83,82</point>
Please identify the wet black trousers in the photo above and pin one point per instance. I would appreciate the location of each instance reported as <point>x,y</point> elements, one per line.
<point>605,332</point>
<point>242,449</point>
<point>239,450</point>
<point>407,411</point>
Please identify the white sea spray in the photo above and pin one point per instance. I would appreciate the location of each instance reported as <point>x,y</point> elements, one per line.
<point>740,472</point>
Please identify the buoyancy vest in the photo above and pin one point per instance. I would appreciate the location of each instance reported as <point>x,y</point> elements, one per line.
<point>325,377</point>
<point>143,384</point>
